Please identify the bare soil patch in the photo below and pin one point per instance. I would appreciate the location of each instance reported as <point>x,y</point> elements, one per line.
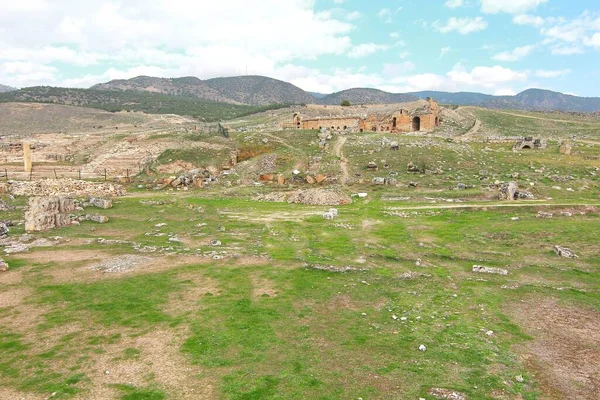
<point>196,286</point>
<point>564,355</point>
<point>263,287</point>
<point>13,297</point>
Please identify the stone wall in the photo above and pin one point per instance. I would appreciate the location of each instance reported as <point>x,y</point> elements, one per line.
<point>336,124</point>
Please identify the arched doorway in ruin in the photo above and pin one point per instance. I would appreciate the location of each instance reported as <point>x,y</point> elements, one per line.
<point>416,124</point>
<point>437,121</point>
<point>394,123</point>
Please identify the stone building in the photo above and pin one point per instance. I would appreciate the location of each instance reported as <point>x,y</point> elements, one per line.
<point>422,118</point>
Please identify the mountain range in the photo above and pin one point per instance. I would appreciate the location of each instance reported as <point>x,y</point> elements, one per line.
<point>4,89</point>
<point>261,91</point>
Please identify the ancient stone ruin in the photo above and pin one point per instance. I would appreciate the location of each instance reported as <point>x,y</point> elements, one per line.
<point>529,143</point>
<point>46,213</point>
<point>424,117</point>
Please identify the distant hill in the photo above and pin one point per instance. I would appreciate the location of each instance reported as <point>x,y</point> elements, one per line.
<point>262,91</point>
<point>538,99</point>
<point>462,98</point>
<point>133,100</point>
<point>251,90</point>
<point>318,95</point>
<point>4,89</point>
<point>365,96</point>
<point>530,99</point>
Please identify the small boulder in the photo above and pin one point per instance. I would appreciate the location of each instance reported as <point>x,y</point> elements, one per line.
<point>101,219</point>
<point>3,265</point>
<point>508,191</point>
<point>100,203</point>
<point>544,215</point>
<point>564,252</point>
<point>489,270</point>
<point>3,229</point>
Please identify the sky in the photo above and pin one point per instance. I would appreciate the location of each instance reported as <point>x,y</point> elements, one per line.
<point>490,46</point>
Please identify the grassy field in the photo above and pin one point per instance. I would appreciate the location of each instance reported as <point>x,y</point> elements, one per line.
<point>538,124</point>
<point>260,323</point>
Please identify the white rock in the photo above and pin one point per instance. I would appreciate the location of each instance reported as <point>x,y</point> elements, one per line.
<point>489,333</point>
<point>362,195</point>
<point>422,347</point>
<point>394,317</point>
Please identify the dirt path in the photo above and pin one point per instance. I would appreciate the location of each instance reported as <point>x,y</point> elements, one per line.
<point>540,118</point>
<point>499,205</point>
<point>278,140</point>
<point>593,142</point>
<point>337,150</point>
<point>471,132</point>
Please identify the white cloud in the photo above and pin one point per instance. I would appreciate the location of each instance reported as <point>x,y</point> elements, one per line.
<point>27,73</point>
<point>353,16</point>
<point>385,14</point>
<point>365,49</point>
<point>177,35</point>
<point>486,77</point>
<point>339,1</point>
<point>444,51</point>
<point>548,74</point>
<point>593,41</point>
<point>525,19</point>
<point>509,6</point>
<point>464,26</point>
<point>404,54</point>
<point>397,69</point>
<point>505,92</point>
<point>454,3</point>
<point>567,37</point>
<point>515,54</point>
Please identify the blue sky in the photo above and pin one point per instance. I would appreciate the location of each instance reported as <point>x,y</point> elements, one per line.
<point>490,46</point>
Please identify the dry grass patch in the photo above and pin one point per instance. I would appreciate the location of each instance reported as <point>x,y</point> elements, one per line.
<point>565,352</point>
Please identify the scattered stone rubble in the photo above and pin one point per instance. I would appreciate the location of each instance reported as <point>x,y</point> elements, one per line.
<point>333,268</point>
<point>489,270</point>
<point>564,252</point>
<point>121,264</point>
<point>446,394</point>
<point>316,197</point>
<point>63,187</point>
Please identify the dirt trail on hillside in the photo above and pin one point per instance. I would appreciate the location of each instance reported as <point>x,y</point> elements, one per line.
<point>540,118</point>
<point>337,150</point>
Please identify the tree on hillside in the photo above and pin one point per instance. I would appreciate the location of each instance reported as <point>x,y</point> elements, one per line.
<point>345,103</point>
